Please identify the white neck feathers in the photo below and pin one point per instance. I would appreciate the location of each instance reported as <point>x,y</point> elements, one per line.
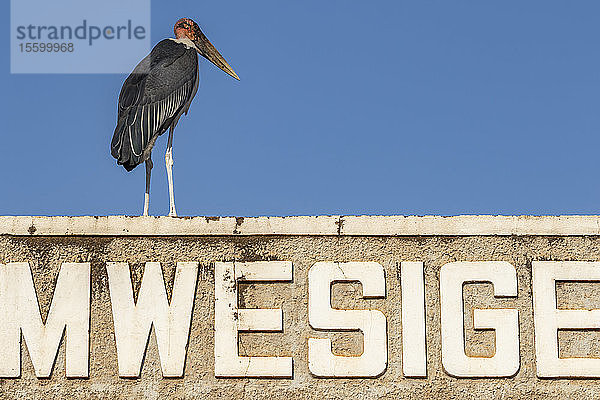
<point>186,41</point>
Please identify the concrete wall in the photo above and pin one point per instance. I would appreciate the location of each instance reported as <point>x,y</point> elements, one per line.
<point>46,243</point>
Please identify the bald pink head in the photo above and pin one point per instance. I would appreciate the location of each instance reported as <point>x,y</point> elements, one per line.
<point>186,28</point>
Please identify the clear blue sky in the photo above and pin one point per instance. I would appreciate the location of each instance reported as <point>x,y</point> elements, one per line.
<point>344,107</point>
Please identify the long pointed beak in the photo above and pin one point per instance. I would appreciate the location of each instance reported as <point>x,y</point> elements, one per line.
<point>208,51</point>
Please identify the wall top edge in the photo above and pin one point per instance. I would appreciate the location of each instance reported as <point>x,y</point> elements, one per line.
<point>464,225</point>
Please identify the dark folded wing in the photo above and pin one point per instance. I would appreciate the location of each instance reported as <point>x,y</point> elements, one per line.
<point>152,98</point>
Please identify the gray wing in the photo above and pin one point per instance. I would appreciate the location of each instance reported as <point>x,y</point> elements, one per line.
<point>153,97</point>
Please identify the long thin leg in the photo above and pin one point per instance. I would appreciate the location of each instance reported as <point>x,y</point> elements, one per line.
<point>147,195</point>
<point>169,164</point>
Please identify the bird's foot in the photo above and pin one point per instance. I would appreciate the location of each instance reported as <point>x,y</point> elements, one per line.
<point>172,213</point>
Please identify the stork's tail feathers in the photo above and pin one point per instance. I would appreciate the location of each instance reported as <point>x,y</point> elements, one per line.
<point>120,148</point>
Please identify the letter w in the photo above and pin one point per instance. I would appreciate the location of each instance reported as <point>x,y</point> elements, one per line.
<point>20,313</point>
<point>133,321</point>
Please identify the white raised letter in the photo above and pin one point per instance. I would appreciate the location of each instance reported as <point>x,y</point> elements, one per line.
<point>134,320</point>
<point>414,352</point>
<point>505,322</point>
<point>229,320</point>
<point>20,313</point>
<point>548,320</point>
<point>321,316</point>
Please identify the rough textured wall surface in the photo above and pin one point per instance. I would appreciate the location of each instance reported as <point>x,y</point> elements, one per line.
<point>46,254</point>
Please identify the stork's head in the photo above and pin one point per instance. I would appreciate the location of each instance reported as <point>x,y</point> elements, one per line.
<point>186,28</point>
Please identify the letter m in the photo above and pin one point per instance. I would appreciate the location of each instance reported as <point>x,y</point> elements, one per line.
<point>20,314</point>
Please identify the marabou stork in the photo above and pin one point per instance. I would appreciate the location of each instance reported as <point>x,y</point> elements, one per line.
<point>153,98</point>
